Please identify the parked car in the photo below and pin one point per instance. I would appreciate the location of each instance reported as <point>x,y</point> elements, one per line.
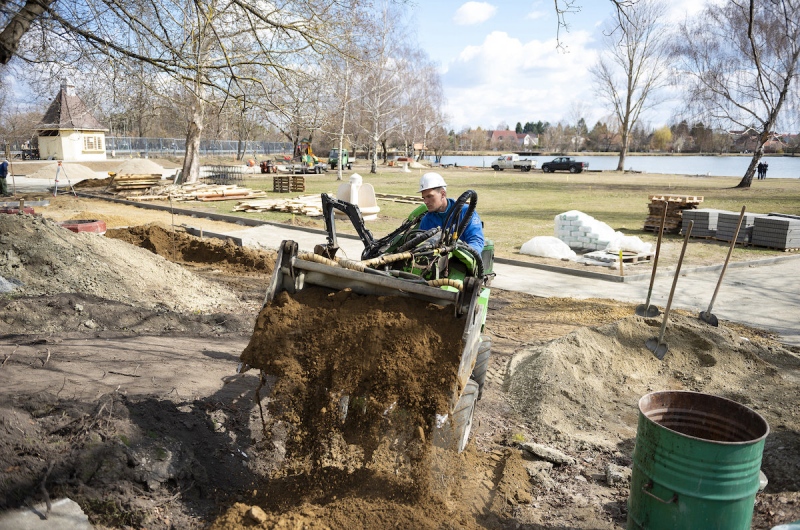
<point>564,163</point>
<point>513,161</point>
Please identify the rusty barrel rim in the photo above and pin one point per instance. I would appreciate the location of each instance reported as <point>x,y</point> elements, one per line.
<point>731,423</point>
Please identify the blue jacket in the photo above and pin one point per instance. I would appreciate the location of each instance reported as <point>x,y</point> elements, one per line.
<point>3,169</point>
<point>473,232</point>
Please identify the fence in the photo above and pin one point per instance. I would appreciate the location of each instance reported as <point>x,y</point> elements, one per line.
<point>153,147</point>
<point>127,145</point>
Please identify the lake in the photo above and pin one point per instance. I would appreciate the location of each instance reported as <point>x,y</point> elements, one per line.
<point>715,166</point>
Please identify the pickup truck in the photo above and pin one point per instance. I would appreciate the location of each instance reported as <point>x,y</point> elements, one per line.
<point>512,161</point>
<point>564,163</point>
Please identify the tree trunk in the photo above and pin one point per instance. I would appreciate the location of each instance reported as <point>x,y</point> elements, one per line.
<point>375,138</point>
<point>191,161</point>
<point>344,120</point>
<point>17,26</point>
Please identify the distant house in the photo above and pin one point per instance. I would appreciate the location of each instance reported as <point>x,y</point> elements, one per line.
<point>68,131</point>
<point>497,138</point>
<point>528,140</point>
<point>508,138</point>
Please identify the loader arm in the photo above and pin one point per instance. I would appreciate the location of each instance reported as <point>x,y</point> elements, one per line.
<point>372,247</point>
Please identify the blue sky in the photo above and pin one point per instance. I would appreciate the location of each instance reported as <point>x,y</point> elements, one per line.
<point>500,63</point>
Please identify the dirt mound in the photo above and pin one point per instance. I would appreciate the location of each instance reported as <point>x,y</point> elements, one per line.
<point>178,246</point>
<point>71,171</point>
<point>139,166</point>
<point>48,259</point>
<point>76,312</point>
<point>585,385</point>
<point>93,183</point>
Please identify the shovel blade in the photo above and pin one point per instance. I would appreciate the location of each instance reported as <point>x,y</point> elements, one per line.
<point>647,311</point>
<point>709,318</point>
<point>659,349</point>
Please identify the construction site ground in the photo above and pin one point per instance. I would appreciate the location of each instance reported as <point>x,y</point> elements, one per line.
<point>119,391</point>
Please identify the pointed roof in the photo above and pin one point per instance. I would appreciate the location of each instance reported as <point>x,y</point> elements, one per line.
<point>67,111</point>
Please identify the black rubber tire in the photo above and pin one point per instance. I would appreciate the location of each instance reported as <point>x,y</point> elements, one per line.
<point>318,170</point>
<point>573,169</point>
<point>496,168</point>
<point>461,420</point>
<point>482,363</point>
<point>545,169</point>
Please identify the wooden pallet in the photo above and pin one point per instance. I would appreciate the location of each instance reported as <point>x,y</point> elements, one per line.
<point>288,184</point>
<point>613,257</point>
<point>695,199</point>
<point>134,181</point>
<point>409,199</point>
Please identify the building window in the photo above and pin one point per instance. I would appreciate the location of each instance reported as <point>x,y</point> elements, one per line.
<point>93,143</point>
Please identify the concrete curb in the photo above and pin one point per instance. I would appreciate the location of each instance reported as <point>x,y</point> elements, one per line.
<point>243,221</point>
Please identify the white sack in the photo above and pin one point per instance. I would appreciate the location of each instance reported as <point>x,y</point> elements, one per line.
<point>548,247</point>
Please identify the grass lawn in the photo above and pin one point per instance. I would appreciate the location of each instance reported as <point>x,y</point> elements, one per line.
<point>517,206</point>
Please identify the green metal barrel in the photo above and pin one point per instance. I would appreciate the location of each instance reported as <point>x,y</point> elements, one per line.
<point>696,463</point>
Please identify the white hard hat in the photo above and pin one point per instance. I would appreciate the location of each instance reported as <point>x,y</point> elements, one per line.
<point>431,180</point>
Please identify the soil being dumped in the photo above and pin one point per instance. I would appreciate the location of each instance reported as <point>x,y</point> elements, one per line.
<point>360,380</point>
<point>350,366</point>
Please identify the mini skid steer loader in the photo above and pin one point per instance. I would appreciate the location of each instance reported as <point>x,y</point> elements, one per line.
<point>431,265</point>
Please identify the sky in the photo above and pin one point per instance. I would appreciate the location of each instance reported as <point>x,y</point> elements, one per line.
<point>499,60</point>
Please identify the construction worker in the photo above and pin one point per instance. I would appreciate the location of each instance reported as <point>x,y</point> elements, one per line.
<point>434,193</point>
<point>3,175</point>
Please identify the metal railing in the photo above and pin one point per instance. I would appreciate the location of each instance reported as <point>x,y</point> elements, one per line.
<point>127,145</point>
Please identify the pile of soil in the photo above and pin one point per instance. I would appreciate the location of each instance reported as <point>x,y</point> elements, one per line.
<point>178,246</point>
<point>73,172</point>
<point>48,259</point>
<point>139,166</point>
<point>93,183</point>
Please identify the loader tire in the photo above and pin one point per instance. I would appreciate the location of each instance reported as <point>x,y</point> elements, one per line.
<point>482,363</point>
<point>461,421</point>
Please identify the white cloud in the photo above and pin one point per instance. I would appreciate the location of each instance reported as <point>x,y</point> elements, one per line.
<point>505,79</point>
<point>474,13</point>
<point>535,15</point>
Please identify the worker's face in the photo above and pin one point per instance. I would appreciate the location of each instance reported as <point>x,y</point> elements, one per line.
<point>435,199</point>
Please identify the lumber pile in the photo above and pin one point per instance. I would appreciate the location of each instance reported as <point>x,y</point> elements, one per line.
<point>134,181</point>
<point>310,205</point>
<point>288,184</point>
<point>410,199</point>
<point>675,205</point>
<point>199,192</point>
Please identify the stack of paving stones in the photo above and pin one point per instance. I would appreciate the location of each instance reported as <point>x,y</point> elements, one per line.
<point>726,226</point>
<point>705,221</point>
<point>777,231</point>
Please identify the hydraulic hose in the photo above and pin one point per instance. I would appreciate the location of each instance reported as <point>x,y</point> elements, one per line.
<point>452,218</point>
<point>475,254</point>
<point>419,238</point>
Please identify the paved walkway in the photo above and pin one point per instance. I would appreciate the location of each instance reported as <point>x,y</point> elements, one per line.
<point>764,296</point>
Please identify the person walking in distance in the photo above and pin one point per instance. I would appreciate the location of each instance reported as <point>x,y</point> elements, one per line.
<point>3,175</point>
<point>764,171</point>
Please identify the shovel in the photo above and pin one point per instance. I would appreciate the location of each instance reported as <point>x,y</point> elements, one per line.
<point>707,316</point>
<point>657,345</point>
<point>648,310</point>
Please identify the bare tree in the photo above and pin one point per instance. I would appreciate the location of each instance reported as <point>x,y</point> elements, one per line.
<point>741,61</point>
<point>634,65</point>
